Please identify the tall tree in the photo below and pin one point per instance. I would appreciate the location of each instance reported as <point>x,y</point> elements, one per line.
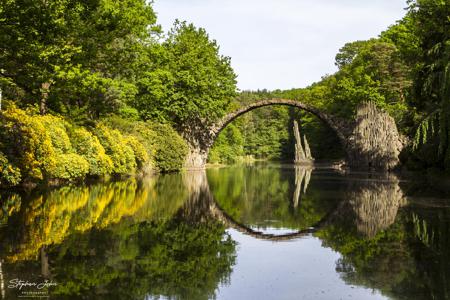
<point>191,85</point>
<point>431,20</point>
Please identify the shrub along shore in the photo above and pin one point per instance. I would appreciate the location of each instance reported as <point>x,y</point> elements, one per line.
<point>43,149</point>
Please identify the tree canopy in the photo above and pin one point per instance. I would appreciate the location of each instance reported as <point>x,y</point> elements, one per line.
<point>190,83</point>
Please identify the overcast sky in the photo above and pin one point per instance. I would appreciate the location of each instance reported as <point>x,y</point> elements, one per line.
<point>282,44</point>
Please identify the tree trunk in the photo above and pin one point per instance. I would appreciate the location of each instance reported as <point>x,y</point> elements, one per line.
<point>45,87</point>
<point>45,269</point>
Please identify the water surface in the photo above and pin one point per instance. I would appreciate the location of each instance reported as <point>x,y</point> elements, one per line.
<point>244,232</point>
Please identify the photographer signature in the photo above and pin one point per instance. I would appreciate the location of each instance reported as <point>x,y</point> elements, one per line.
<point>19,284</point>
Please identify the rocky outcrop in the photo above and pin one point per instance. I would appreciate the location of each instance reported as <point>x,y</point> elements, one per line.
<point>374,142</point>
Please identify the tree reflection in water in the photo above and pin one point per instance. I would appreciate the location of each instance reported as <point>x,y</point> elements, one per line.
<point>120,240</point>
<point>166,236</point>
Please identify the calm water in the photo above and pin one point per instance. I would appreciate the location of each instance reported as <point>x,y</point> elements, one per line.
<point>256,232</point>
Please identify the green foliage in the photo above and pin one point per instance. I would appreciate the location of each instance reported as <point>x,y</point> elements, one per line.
<point>117,148</point>
<point>170,148</point>
<point>431,26</point>
<point>371,71</point>
<point>191,83</point>
<point>166,149</point>
<point>228,147</point>
<point>83,54</point>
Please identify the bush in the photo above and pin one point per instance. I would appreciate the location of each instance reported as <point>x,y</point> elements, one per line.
<point>166,149</point>
<point>56,129</point>
<point>170,148</point>
<point>36,148</point>
<point>116,147</point>
<point>88,146</point>
<point>40,148</point>
<point>140,153</point>
<point>26,144</point>
<point>9,174</point>
<point>70,166</point>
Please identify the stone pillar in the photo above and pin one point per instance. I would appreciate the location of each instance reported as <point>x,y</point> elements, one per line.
<point>302,151</point>
<point>307,149</point>
<point>299,153</point>
<point>199,140</point>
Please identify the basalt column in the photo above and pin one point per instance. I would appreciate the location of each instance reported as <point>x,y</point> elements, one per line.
<point>375,142</point>
<point>302,150</point>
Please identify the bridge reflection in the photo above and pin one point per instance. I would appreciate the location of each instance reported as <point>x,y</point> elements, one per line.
<point>369,203</point>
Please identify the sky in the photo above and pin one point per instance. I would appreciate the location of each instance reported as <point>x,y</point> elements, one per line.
<point>282,44</point>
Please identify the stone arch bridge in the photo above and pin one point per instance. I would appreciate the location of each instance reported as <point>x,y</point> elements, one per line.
<point>371,140</point>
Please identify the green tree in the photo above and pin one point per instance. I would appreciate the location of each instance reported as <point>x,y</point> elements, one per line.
<point>191,84</point>
<point>371,70</point>
<point>67,53</point>
<point>432,81</point>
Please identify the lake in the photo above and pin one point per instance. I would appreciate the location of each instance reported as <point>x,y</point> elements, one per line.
<point>263,231</point>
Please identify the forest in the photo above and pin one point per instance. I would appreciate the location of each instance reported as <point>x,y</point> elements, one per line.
<point>97,88</point>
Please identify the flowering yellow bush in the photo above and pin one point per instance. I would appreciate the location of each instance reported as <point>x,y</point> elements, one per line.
<point>116,147</point>
<point>36,148</point>
<point>87,145</point>
<point>140,153</point>
<point>9,174</point>
<point>165,147</point>
<point>40,148</point>
<point>56,129</point>
<point>27,144</point>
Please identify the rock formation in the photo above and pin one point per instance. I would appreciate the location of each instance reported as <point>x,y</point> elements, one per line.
<point>375,142</point>
<point>302,150</point>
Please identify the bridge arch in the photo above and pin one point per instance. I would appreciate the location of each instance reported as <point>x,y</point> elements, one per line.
<point>329,120</point>
<point>370,141</point>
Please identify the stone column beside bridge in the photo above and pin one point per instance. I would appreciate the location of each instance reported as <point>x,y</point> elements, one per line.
<point>374,143</point>
<point>371,141</point>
